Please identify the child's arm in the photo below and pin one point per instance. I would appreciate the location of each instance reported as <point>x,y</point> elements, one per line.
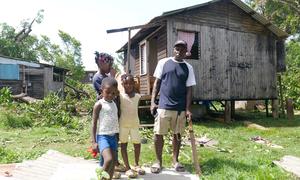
<point>96,111</point>
<point>118,104</point>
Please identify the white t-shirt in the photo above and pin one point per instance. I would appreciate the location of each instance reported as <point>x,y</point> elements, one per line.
<point>160,65</point>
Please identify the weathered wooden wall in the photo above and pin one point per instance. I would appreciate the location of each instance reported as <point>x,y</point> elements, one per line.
<point>161,46</point>
<point>235,65</point>
<point>34,78</point>
<point>14,85</point>
<point>237,54</point>
<point>222,14</point>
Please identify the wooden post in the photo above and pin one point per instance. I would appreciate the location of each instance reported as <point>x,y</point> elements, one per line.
<point>227,117</point>
<point>149,25</point>
<point>267,108</point>
<point>281,96</point>
<point>289,108</point>
<point>63,85</point>
<point>23,80</point>
<point>275,108</point>
<point>128,52</point>
<point>232,103</point>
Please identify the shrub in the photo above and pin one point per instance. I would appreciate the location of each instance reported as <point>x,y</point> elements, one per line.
<point>5,95</point>
<point>7,156</point>
<point>13,121</point>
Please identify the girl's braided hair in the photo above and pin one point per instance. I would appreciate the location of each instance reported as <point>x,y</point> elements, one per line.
<point>103,57</point>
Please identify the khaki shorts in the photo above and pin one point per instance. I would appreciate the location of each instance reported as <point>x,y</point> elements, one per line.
<point>168,119</point>
<point>132,132</point>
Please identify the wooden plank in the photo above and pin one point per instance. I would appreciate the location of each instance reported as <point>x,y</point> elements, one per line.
<point>134,27</point>
<point>274,108</point>
<point>233,59</point>
<point>227,116</point>
<point>289,108</point>
<point>146,125</point>
<point>144,107</point>
<point>281,95</point>
<point>170,37</point>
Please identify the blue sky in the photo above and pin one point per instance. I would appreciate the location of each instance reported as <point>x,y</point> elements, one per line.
<point>88,20</point>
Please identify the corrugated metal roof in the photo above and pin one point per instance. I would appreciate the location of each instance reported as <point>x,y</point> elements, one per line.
<point>10,60</point>
<point>7,60</point>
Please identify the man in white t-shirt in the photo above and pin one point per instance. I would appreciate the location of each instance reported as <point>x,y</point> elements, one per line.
<point>174,81</point>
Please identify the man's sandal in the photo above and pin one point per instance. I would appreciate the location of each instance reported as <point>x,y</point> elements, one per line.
<point>178,167</point>
<point>131,173</point>
<point>156,168</point>
<point>139,170</point>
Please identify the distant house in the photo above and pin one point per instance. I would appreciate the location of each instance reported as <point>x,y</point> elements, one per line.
<point>235,52</point>
<point>88,76</point>
<point>35,79</point>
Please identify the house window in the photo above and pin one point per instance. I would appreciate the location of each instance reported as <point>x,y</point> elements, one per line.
<point>57,75</point>
<point>143,59</point>
<point>192,39</point>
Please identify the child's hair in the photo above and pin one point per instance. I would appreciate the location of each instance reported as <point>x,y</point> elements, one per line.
<point>104,57</point>
<point>109,81</point>
<point>127,77</point>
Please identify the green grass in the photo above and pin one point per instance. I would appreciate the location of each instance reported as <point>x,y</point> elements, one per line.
<point>235,156</point>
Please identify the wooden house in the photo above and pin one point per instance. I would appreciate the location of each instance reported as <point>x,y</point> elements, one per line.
<point>235,52</point>
<point>34,79</point>
<point>88,76</point>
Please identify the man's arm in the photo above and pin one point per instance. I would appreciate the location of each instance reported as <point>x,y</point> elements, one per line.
<point>155,91</point>
<point>189,97</point>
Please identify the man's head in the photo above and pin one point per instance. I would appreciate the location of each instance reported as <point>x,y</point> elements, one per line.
<point>128,83</point>
<point>104,61</point>
<point>180,49</point>
<point>109,88</point>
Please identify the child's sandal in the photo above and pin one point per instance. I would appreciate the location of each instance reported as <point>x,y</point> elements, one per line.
<point>139,170</point>
<point>120,168</point>
<point>117,175</point>
<point>131,173</point>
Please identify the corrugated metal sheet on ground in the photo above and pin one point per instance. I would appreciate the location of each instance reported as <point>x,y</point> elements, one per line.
<point>54,165</point>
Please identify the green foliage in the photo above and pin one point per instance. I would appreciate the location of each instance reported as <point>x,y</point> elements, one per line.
<point>71,57</point>
<point>291,77</point>
<point>15,121</point>
<point>247,160</point>
<point>52,111</point>
<point>7,156</point>
<point>24,49</point>
<point>5,95</point>
<point>284,13</point>
<point>32,48</point>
